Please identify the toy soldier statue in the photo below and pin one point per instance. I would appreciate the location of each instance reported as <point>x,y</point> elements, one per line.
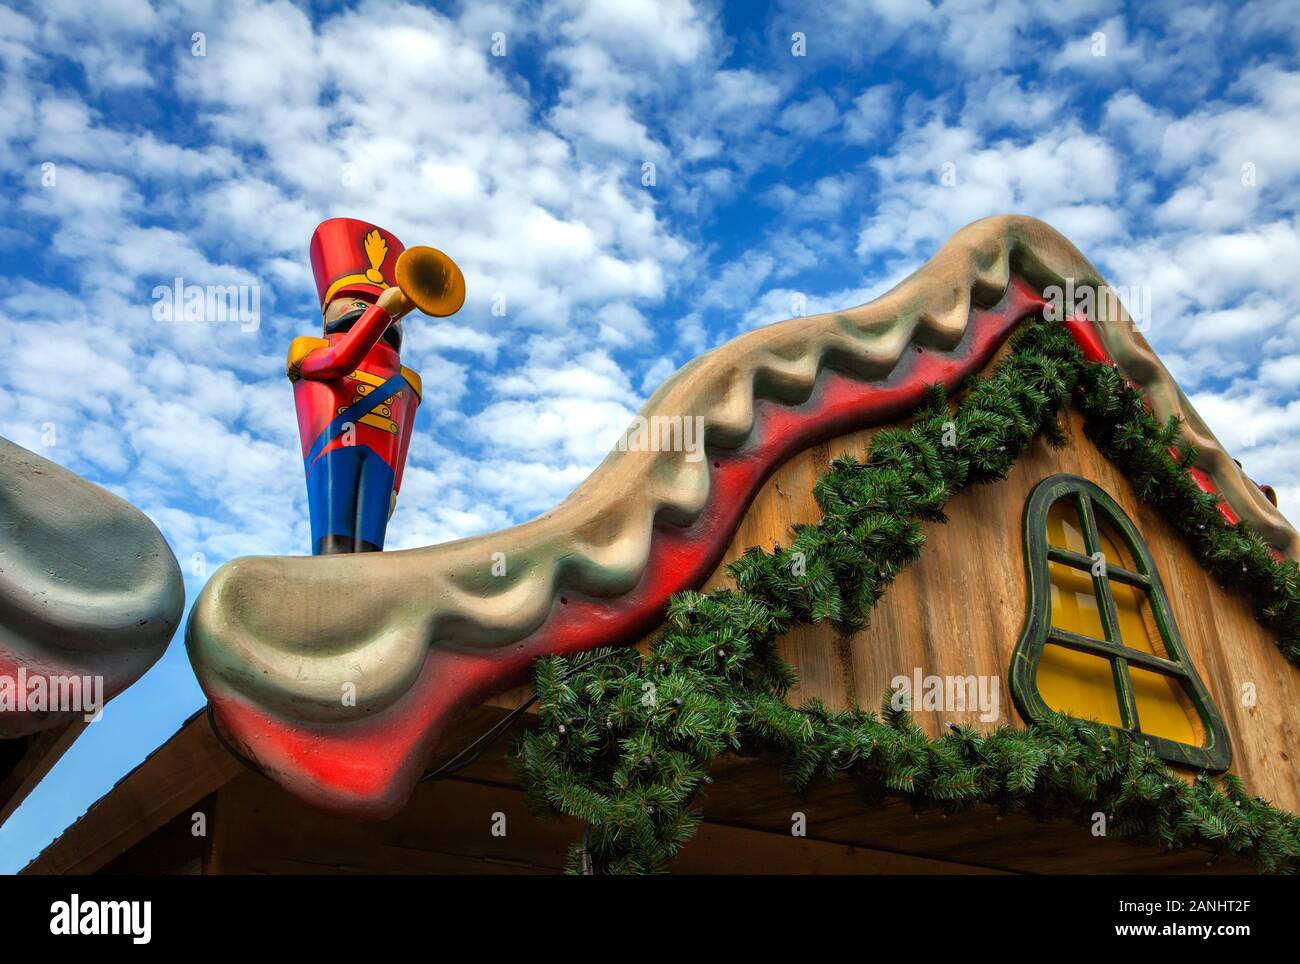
<point>356,402</point>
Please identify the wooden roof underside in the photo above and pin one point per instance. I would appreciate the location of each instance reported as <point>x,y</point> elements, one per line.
<point>25,760</point>
<point>747,816</point>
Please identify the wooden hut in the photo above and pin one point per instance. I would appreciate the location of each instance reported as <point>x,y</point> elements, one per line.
<point>1111,578</point>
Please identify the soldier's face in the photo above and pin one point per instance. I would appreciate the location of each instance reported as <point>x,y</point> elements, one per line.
<point>339,308</point>
<point>342,313</point>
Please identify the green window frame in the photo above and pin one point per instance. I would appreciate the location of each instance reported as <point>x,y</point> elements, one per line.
<point>1090,502</point>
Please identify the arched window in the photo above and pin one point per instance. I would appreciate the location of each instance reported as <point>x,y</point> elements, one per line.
<point>1100,642</point>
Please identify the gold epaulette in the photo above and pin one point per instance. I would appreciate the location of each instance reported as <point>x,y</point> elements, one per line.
<point>299,349</point>
<point>413,379</point>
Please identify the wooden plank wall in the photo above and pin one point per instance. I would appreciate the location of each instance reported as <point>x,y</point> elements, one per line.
<point>959,610</point>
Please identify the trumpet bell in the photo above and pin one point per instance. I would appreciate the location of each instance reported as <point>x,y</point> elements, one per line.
<point>431,280</point>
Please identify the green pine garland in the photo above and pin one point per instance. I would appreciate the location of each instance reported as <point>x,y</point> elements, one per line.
<point>624,741</point>
<point>1129,435</point>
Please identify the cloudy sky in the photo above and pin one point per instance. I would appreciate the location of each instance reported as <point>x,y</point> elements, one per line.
<point>625,184</point>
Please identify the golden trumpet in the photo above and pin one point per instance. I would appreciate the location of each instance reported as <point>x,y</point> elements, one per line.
<point>430,280</point>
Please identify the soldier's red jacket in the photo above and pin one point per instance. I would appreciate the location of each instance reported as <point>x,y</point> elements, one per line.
<point>332,373</point>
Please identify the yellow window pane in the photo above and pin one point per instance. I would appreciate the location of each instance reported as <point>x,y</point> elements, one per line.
<point>1063,528</point>
<point>1078,684</point>
<point>1164,709</point>
<point>1112,544</point>
<point>1074,605</point>
<point>1137,629</point>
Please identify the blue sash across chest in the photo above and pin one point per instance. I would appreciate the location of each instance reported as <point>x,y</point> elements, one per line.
<point>352,414</point>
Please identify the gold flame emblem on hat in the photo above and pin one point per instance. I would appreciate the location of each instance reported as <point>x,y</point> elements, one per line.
<point>376,250</point>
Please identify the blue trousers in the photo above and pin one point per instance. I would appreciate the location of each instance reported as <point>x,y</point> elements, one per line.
<point>349,490</point>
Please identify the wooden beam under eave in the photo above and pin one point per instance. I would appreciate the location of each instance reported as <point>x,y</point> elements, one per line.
<point>191,765</point>
<point>446,828</point>
<point>43,750</point>
<point>458,826</point>
<point>180,773</point>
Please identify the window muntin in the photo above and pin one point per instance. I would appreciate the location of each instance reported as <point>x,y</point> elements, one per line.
<point>1100,642</point>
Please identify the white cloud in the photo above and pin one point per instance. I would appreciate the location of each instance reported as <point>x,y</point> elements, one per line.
<point>939,177</point>
<point>656,375</point>
<point>870,115</point>
<point>809,117</point>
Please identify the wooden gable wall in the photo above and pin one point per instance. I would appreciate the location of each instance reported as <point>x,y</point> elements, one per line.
<point>960,609</point>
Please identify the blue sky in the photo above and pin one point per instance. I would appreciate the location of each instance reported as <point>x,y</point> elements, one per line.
<point>1160,138</point>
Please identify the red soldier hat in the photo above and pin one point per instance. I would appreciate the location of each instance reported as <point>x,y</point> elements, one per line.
<point>351,257</point>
